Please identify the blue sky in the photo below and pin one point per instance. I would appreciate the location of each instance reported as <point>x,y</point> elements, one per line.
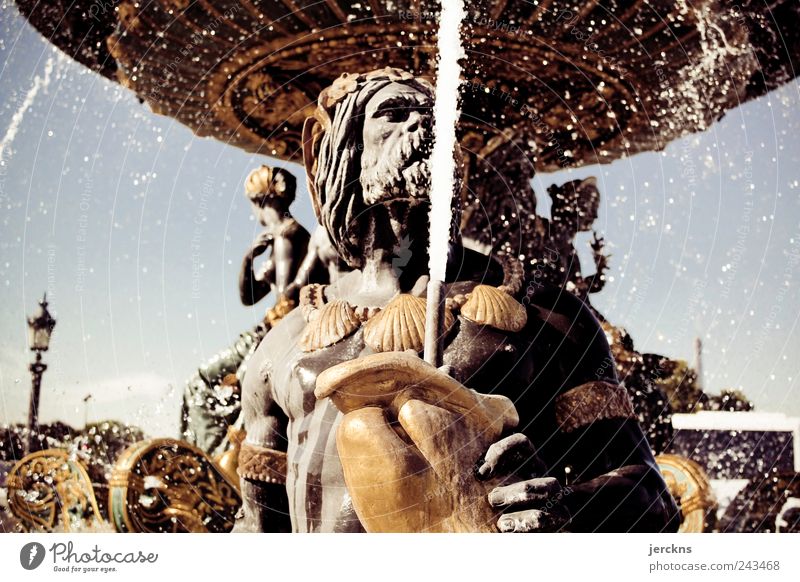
<point>136,229</point>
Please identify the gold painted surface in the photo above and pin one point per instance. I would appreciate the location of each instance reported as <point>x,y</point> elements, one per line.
<point>281,309</point>
<point>689,485</point>
<point>328,325</point>
<point>400,326</point>
<point>262,464</point>
<point>590,402</point>
<point>248,74</point>
<point>48,490</point>
<point>409,441</point>
<point>164,485</point>
<point>487,305</point>
<point>228,462</point>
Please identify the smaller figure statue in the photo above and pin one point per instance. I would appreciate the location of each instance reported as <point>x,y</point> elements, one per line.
<point>574,209</point>
<point>271,191</point>
<point>501,194</point>
<point>212,399</point>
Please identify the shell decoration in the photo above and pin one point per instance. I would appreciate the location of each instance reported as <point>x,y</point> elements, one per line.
<point>400,326</point>
<point>487,305</point>
<point>333,322</point>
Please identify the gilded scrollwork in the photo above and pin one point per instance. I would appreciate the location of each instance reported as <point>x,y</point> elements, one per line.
<point>164,485</point>
<point>50,491</point>
<point>689,485</point>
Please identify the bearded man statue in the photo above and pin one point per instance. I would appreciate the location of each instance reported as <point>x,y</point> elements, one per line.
<point>524,428</point>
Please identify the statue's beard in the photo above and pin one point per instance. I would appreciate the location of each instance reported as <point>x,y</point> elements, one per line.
<point>398,171</point>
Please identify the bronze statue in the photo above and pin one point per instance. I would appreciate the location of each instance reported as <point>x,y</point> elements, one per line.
<point>500,215</point>
<point>271,191</point>
<point>339,380</point>
<point>212,398</point>
<point>574,209</point>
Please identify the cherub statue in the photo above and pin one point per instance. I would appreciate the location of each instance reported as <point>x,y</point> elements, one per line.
<point>342,413</point>
<point>212,398</point>
<point>574,209</point>
<point>271,191</point>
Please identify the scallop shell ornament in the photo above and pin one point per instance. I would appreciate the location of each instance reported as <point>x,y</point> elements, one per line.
<point>333,322</point>
<point>400,326</point>
<point>487,305</point>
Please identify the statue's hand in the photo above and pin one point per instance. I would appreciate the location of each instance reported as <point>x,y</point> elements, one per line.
<point>261,244</point>
<point>408,440</point>
<point>531,505</point>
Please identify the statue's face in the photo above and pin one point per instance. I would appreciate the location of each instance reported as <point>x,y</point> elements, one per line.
<point>267,213</point>
<point>397,142</point>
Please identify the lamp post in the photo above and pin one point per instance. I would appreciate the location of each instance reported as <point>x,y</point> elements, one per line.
<point>40,327</point>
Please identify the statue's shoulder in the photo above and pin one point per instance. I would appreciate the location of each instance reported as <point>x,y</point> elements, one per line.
<point>282,338</point>
<point>291,229</point>
<point>562,327</point>
<point>560,308</point>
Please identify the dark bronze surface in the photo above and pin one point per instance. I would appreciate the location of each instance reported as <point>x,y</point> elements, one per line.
<point>614,483</point>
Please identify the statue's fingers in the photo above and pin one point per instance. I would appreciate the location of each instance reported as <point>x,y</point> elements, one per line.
<point>387,477</point>
<point>442,436</point>
<point>373,454</point>
<point>531,520</point>
<point>512,454</point>
<point>525,493</point>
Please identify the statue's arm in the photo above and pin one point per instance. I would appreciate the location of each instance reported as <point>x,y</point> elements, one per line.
<point>262,461</point>
<point>283,261</point>
<point>253,287</point>
<point>632,498</point>
<point>593,470</point>
<point>599,447</point>
<point>311,263</point>
<point>613,482</point>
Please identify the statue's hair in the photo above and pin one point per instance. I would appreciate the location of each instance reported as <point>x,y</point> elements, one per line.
<point>332,148</point>
<point>260,186</point>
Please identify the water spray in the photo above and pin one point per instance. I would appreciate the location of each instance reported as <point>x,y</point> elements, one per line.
<point>445,114</point>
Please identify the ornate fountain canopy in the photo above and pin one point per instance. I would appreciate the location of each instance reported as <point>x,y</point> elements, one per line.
<point>580,81</point>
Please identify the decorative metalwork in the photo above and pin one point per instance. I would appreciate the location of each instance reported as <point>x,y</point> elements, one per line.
<point>580,83</point>
<point>51,491</point>
<point>164,485</point>
<point>690,487</point>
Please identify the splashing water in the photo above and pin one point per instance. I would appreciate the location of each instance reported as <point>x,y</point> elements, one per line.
<point>445,114</point>
<point>39,82</point>
<point>726,58</point>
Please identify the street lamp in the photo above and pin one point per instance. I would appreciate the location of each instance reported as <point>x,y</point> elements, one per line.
<point>40,328</point>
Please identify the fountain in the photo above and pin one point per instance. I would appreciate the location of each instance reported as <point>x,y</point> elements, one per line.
<point>541,89</point>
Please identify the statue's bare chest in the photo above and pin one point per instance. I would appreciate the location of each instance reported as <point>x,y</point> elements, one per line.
<point>480,357</point>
